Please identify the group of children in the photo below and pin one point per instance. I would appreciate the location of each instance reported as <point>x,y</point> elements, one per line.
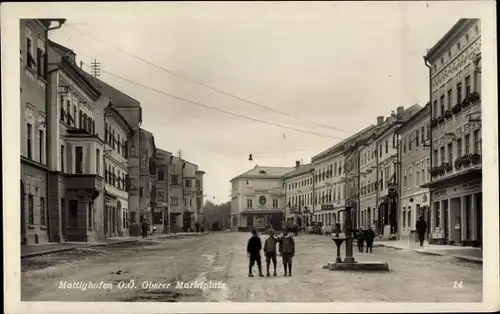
<point>286,245</point>
<point>365,236</point>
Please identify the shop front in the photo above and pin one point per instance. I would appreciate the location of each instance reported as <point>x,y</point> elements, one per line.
<point>261,220</point>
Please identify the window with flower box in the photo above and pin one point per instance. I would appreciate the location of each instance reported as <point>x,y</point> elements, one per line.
<point>477,142</point>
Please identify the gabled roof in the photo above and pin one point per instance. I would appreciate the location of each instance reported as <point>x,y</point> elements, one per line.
<point>264,173</point>
<point>61,47</point>
<point>303,169</point>
<point>445,40</point>
<point>118,98</point>
<point>421,114</point>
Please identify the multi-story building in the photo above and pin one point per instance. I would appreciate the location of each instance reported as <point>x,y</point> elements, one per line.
<point>76,161</point>
<point>387,160</point>
<point>176,193</point>
<point>147,175</point>
<point>199,174</point>
<point>36,223</point>
<point>131,111</point>
<point>455,121</point>
<point>190,213</point>
<point>414,164</point>
<point>298,186</point>
<point>328,185</point>
<point>257,198</point>
<point>160,214</point>
<point>368,179</point>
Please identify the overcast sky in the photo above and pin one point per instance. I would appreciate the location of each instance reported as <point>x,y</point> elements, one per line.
<point>339,64</point>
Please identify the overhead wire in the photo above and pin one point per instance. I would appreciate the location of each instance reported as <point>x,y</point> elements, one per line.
<point>205,85</point>
<point>214,108</point>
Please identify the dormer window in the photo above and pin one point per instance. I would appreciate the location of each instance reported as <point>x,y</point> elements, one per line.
<point>262,172</point>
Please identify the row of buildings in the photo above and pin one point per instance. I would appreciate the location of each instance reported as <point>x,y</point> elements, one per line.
<point>89,171</point>
<point>420,161</point>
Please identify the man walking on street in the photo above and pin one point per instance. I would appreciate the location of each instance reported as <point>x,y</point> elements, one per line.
<point>421,227</point>
<point>253,251</point>
<point>370,235</point>
<point>287,251</point>
<point>270,251</point>
<point>144,228</point>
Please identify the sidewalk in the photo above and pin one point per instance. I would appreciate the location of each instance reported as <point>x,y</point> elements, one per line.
<point>47,248</point>
<point>470,254</point>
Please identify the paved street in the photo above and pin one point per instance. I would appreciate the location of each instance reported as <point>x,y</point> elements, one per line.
<point>221,257</point>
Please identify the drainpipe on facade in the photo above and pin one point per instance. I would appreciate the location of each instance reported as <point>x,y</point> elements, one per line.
<point>427,64</point>
<point>47,147</point>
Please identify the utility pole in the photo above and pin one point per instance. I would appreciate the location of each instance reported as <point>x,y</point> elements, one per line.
<point>95,68</point>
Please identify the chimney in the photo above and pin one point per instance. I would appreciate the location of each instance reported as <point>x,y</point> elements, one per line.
<point>297,163</point>
<point>399,110</point>
<point>393,114</point>
<point>380,120</point>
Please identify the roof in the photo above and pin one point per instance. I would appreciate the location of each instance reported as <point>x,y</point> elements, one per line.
<point>200,171</point>
<point>340,145</point>
<point>63,48</point>
<point>264,173</point>
<point>407,114</point>
<point>421,113</point>
<point>459,25</point>
<point>118,98</point>
<point>298,171</point>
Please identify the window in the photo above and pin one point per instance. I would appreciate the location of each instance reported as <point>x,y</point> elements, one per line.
<point>435,157</point>
<point>386,146</point>
<point>39,62</point>
<point>175,179</point>
<point>423,173</point>
<point>442,61</point>
<point>450,153</point>
<point>467,86</point>
<point>404,144</point>
<point>113,139</point>
<point>477,142</point>
<point>161,195</point>
<point>68,111</point>
<point>380,150</point>
<point>422,135</point>
<point>118,148</point>
<point>428,163</point>
<point>410,172</point>
<point>74,115</point>
<point>43,219</point>
<point>449,99</point>
<point>434,109</point>
<point>428,131</point>
<point>80,119</point>
<point>404,179</point>
<point>113,177</point>
<point>78,159</point>
<point>29,130</point>
<point>467,37</point>
<point>29,52</point>
<point>459,46</point>
<point>417,175</point>
<point>174,200</point>
<point>409,218</point>
<point>467,144</point>
<point>161,175</point>
<point>62,158</point>
<point>31,210</point>
<point>417,138</point>
<point>441,103</point>
<point>188,183</point>
<point>41,146</point>
<point>249,203</point>
<point>73,213</point>
<point>442,155</point>
<point>98,161</point>
<point>90,218</point>
<point>275,203</point>
<point>62,114</point>
<point>459,147</point>
<point>141,191</point>
<point>459,92</point>
<point>410,140</point>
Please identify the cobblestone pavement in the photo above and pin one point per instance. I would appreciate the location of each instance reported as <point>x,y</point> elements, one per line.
<point>222,257</point>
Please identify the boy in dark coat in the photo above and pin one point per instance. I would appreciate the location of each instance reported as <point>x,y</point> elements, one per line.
<point>421,227</point>
<point>270,251</point>
<point>287,251</point>
<point>253,251</point>
<point>369,236</point>
<point>361,239</point>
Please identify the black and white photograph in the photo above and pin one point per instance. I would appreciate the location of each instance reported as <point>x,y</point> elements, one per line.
<point>267,156</point>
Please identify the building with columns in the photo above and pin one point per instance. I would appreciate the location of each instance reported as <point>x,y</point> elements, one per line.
<point>298,186</point>
<point>455,121</point>
<point>257,199</point>
<point>414,154</point>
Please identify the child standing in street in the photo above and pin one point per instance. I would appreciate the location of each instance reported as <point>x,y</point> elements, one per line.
<point>287,251</point>
<point>270,251</point>
<point>253,251</point>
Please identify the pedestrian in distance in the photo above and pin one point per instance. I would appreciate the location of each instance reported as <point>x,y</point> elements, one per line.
<point>287,251</point>
<point>144,229</point>
<point>421,227</point>
<point>270,251</point>
<point>361,239</point>
<point>197,227</point>
<point>369,236</point>
<point>154,229</point>
<point>253,252</point>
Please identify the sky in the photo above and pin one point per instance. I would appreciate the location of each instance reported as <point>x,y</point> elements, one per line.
<point>331,63</point>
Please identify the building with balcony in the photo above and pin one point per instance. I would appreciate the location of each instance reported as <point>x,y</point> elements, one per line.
<point>298,186</point>
<point>415,164</point>
<point>257,199</point>
<point>455,122</point>
<point>387,160</point>
<point>76,151</point>
<point>131,111</point>
<point>35,219</point>
<point>328,185</point>
<point>147,175</point>
<point>160,214</point>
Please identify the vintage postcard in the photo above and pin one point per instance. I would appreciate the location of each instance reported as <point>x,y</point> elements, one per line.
<point>253,157</point>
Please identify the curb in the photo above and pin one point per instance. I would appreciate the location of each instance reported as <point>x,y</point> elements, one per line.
<point>462,258</point>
